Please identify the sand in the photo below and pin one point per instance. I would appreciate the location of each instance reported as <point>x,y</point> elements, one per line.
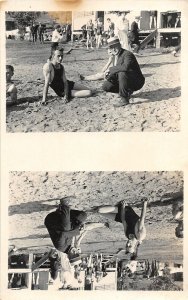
<point>156,107</point>
<point>34,195</point>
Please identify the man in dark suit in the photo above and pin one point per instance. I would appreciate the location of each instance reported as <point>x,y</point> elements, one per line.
<point>125,76</point>
<point>134,34</point>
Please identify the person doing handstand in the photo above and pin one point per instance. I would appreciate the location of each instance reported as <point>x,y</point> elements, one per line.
<point>134,227</point>
<point>54,75</point>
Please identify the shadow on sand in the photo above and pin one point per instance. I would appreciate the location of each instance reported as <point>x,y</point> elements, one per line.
<point>159,95</point>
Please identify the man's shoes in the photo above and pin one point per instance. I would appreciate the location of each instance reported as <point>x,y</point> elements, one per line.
<point>122,102</point>
<point>81,77</point>
<point>106,224</point>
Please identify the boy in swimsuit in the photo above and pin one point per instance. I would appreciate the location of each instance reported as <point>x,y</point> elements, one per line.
<point>134,227</point>
<point>11,90</point>
<point>54,74</point>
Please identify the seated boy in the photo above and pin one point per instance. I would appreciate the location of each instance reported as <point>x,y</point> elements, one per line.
<point>11,90</point>
<point>54,74</point>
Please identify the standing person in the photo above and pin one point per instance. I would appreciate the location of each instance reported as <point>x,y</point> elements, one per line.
<point>122,28</point>
<point>134,227</point>
<point>134,34</point>
<point>54,74</point>
<point>34,29</point>
<point>56,38</point>
<point>41,33</point>
<point>111,27</point>
<point>90,32</point>
<point>125,76</point>
<point>99,28</point>
<point>68,32</point>
<point>153,19</point>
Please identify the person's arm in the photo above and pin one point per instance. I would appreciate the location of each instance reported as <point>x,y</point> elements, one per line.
<point>127,62</point>
<point>123,204</point>
<point>66,87</point>
<point>143,215</point>
<point>107,64</point>
<point>71,233</point>
<point>47,73</point>
<point>12,93</point>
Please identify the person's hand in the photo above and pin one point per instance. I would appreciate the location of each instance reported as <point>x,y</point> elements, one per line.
<point>82,228</point>
<point>123,203</point>
<point>145,201</point>
<point>107,74</point>
<point>66,99</point>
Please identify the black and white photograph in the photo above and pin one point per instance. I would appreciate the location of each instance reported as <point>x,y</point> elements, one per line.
<point>91,71</point>
<point>95,231</point>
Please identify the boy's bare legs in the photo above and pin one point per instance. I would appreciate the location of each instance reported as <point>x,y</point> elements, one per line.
<point>109,211</point>
<point>97,76</point>
<point>81,90</point>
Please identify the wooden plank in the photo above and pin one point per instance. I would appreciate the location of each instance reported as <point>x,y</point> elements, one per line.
<point>41,261</point>
<point>10,271</point>
<point>148,39</point>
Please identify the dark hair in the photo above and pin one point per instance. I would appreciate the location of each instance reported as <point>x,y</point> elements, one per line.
<point>134,255</point>
<point>108,19</point>
<point>57,26</point>
<point>10,67</point>
<point>178,232</point>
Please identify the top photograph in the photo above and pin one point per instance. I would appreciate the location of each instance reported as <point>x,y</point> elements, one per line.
<point>93,71</point>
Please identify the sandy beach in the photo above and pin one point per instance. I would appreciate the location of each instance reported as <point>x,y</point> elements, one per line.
<point>156,107</point>
<point>34,195</point>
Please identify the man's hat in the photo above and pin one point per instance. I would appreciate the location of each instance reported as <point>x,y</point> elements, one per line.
<point>75,261</point>
<point>113,41</point>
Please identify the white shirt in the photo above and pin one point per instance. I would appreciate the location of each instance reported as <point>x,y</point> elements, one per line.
<point>123,24</point>
<point>56,36</point>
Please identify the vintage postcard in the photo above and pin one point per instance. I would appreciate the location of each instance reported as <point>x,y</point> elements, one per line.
<point>94,149</point>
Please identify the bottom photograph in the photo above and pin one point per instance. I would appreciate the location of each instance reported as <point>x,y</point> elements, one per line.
<point>95,231</point>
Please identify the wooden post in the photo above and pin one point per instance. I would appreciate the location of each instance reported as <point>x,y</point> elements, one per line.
<point>158,35</point>
<point>29,275</point>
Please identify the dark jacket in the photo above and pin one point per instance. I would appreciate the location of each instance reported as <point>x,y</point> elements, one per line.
<point>61,238</point>
<point>127,63</point>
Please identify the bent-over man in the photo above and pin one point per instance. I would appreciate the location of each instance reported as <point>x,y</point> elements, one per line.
<point>125,76</point>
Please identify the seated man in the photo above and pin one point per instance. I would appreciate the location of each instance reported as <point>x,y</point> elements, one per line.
<point>11,90</point>
<point>125,76</point>
<point>54,74</point>
<point>67,228</point>
<point>64,224</point>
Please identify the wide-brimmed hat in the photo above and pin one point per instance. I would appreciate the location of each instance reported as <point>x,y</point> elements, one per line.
<point>113,41</point>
